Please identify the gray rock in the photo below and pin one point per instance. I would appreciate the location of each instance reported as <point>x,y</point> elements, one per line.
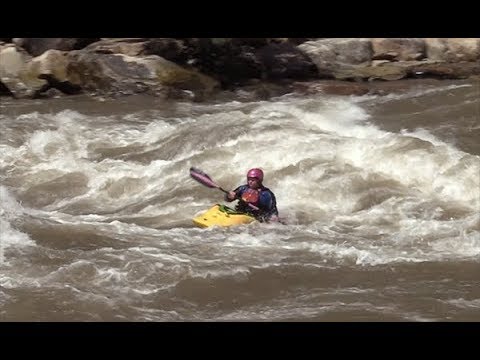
<point>126,46</point>
<point>285,61</point>
<point>398,49</point>
<point>110,73</point>
<point>330,54</point>
<point>453,50</point>
<point>15,76</point>
<point>37,46</point>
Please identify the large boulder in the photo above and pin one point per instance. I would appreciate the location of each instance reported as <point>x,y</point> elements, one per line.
<point>118,73</point>
<point>332,54</point>
<point>409,69</point>
<point>453,50</point>
<point>175,50</point>
<point>14,73</point>
<point>285,61</point>
<point>51,62</point>
<point>37,46</point>
<point>27,77</point>
<point>126,46</point>
<point>231,61</point>
<point>395,49</point>
<point>236,60</point>
<point>52,66</point>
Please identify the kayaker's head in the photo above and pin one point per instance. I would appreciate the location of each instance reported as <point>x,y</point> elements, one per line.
<point>254,178</point>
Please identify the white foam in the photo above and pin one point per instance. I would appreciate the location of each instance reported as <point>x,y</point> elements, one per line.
<point>429,169</point>
<point>464,303</point>
<point>334,115</point>
<point>414,93</point>
<point>320,156</point>
<point>10,209</point>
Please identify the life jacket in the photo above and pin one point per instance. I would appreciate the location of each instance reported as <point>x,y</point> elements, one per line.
<point>263,198</point>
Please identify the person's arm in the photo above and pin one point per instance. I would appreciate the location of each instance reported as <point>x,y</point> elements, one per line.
<point>232,195</point>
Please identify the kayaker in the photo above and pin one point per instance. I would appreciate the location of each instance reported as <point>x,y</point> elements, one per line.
<point>254,193</point>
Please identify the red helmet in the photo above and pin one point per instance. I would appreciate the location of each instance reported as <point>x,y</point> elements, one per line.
<point>255,173</point>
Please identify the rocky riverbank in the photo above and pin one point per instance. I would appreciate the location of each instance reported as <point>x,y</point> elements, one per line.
<point>200,68</point>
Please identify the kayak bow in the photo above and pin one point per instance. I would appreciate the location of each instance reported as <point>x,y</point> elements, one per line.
<point>221,215</point>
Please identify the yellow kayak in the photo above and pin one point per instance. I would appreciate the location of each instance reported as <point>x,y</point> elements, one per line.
<point>221,215</point>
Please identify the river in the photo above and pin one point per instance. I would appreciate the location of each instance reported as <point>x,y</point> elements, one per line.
<point>380,195</point>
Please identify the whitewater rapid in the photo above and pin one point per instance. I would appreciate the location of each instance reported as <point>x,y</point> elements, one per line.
<point>107,199</point>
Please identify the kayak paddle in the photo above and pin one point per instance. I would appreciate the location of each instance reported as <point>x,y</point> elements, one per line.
<point>206,180</point>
